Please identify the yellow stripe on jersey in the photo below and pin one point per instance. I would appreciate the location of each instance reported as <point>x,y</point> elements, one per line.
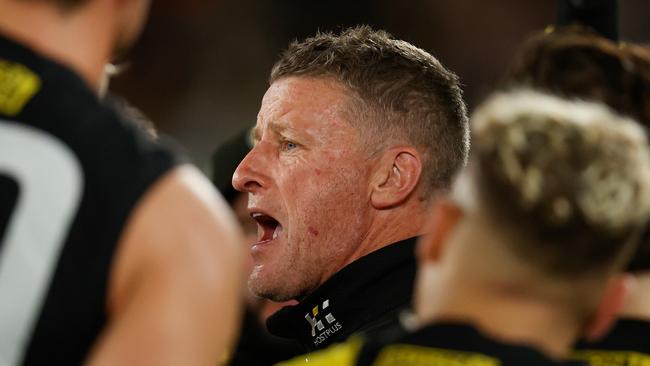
<point>341,354</point>
<point>409,355</point>
<point>612,358</point>
<point>18,85</point>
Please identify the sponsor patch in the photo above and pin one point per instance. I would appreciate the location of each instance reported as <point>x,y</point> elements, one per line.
<point>323,326</point>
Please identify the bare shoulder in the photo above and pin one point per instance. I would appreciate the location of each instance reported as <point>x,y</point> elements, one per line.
<point>175,279</point>
<point>182,223</point>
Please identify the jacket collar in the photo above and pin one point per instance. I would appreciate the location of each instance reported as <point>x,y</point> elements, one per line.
<point>365,291</point>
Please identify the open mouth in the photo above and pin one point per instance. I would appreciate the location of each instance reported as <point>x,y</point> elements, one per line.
<point>268,228</point>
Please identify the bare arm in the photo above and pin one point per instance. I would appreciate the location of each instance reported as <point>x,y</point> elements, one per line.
<point>174,295</point>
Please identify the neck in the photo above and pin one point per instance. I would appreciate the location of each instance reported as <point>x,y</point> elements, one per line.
<point>388,227</point>
<point>637,303</point>
<point>79,39</point>
<point>508,317</point>
<point>479,280</point>
<point>385,228</point>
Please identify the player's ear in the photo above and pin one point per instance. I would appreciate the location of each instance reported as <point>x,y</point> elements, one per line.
<point>396,176</point>
<point>441,223</point>
<point>608,310</point>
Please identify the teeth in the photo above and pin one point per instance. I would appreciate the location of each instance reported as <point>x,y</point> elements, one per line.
<point>275,232</point>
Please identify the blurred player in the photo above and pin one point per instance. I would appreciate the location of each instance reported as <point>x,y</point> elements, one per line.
<point>526,253</point>
<point>111,252</point>
<point>575,62</point>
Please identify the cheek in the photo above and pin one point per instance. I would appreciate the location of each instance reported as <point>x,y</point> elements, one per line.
<point>316,196</point>
<point>332,204</point>
<point>313,231</point>
<point>307,184</point>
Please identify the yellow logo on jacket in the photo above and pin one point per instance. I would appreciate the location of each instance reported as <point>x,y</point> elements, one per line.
<point>18,84</point>
<point>409,355</point>
<point>612,358</point>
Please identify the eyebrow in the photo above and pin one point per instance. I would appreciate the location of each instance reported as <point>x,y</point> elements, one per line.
<point>273,126</point>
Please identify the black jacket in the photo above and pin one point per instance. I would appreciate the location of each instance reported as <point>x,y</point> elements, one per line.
<point>440,344</point>
<point>83,167</point>
<point>366,295</point>
<point>447,343</point>
<point>628,343</point>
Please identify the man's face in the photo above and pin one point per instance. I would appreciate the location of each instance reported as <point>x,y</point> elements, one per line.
<point>308,187</point>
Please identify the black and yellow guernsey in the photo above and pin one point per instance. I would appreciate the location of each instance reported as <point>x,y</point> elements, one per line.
<point>628,344</point>
<point>72,169</point>
<point>441,344</point>
<point>367,295</point>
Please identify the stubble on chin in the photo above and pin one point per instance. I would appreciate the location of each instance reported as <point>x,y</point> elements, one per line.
<point>275,289</point>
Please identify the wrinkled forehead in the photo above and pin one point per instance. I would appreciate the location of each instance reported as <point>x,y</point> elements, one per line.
<point>304,104</point>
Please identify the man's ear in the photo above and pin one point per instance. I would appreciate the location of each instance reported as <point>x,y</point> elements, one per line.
<point>609,307</point>
<point>396,177</point>
<point>443,219</point>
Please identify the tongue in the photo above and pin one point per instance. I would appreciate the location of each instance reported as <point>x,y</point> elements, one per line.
<point>270,232</point>
<point>267,233</point>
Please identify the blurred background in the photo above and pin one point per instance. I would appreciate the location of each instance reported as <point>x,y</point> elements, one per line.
<point>201,68</point>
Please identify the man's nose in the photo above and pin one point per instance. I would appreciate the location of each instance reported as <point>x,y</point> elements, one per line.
<point>250,175</point>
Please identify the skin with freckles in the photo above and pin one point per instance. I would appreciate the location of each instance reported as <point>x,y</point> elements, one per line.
<point>309,171</point>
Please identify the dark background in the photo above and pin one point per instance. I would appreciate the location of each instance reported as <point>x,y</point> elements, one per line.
<point>201,67</point>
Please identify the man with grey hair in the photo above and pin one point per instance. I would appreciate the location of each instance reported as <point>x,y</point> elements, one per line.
<point>527,252</point>
<point>355,134</point>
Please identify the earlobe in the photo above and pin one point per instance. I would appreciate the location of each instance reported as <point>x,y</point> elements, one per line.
<point>397,177</point>
<point>609,308</point>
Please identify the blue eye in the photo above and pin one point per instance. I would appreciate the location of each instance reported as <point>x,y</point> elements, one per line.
<point>288,145</point>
